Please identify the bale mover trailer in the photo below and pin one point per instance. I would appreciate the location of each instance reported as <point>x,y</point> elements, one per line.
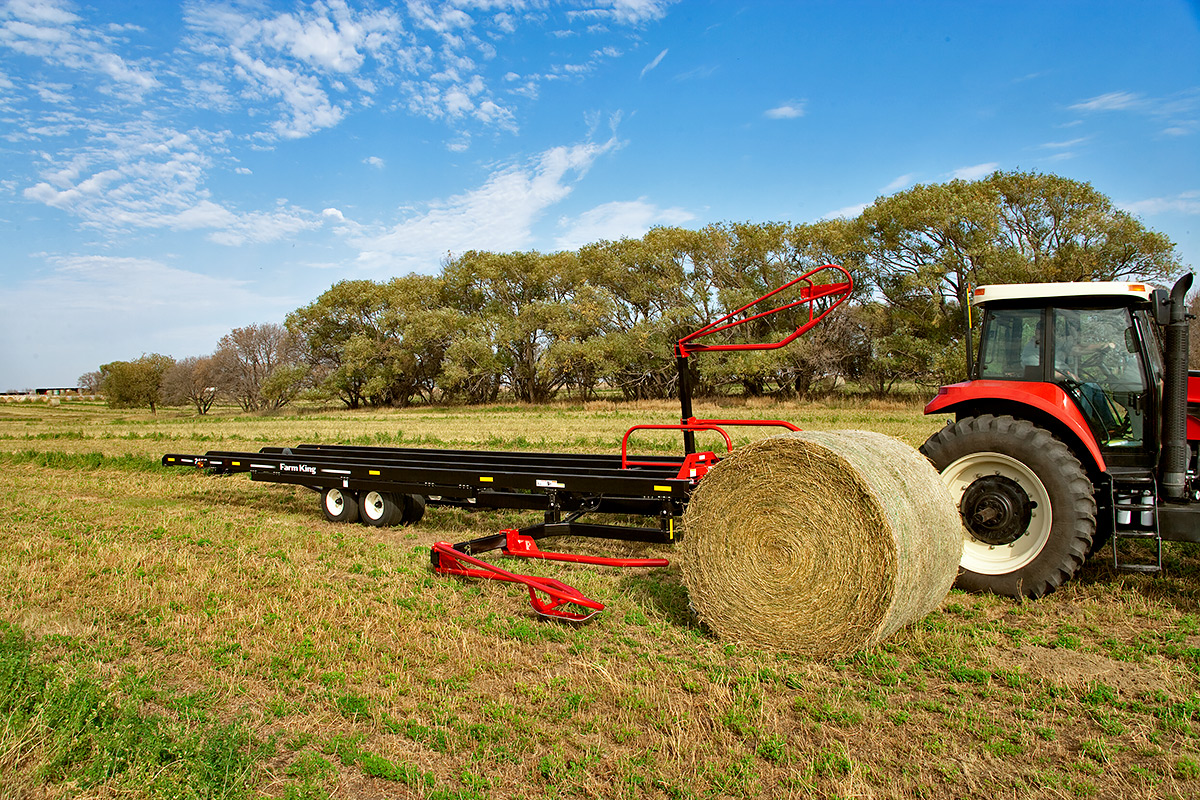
<point>382,486</point>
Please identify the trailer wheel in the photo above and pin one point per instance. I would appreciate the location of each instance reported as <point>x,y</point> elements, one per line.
<point>414,509</point>
<point>379,509</point>
<point>1028,507</point>
<point>339,506</point>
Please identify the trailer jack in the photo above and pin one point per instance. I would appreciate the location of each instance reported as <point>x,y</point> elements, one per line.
<point>449,559</point>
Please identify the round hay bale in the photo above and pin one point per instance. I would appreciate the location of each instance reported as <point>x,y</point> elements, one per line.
<point>820,542</point>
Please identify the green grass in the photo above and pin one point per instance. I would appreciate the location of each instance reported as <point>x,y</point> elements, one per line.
<point>169,634</point>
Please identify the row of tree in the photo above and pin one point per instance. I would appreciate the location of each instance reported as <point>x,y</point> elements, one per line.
<point>607,316</point>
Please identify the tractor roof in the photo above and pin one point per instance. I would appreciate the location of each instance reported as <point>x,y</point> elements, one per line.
<point>1109,290</point>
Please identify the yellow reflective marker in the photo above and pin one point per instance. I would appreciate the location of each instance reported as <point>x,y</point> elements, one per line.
<point>486,479</point>
<point>662,488</point>
<point>372,472</point>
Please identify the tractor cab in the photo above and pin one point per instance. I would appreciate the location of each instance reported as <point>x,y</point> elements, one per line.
<point>1076,425</point>
<point>1095,342</point>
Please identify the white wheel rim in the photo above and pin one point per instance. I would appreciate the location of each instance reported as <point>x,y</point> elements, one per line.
<point>335,502</point>
<point>373,505</point>
<point>989,559</point>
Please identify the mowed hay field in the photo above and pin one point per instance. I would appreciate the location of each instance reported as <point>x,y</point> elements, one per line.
<point>165,633</point>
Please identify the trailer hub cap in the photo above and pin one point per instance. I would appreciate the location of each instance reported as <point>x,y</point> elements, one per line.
<point>996,510</point>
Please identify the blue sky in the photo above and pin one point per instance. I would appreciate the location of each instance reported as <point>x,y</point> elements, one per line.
<point>170,171</point>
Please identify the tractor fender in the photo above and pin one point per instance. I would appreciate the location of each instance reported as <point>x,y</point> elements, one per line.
<point>1007,397</point>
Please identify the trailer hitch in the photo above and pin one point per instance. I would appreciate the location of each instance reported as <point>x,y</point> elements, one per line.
<point>450,559</point>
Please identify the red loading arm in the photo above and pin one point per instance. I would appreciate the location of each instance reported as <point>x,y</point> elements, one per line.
<point>810,292</point>
<point>835,293</point>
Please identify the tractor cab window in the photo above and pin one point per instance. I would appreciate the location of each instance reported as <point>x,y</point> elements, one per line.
<point>1011,345</point>
<point>1098,363</point>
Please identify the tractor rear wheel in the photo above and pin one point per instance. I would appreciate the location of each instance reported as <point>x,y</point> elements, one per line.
<point>1028,507</point>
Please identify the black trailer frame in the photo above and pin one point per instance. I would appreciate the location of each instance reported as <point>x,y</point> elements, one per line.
<point>563,486</point>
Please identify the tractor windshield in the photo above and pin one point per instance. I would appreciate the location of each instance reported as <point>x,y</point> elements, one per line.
<point>1097,360</point>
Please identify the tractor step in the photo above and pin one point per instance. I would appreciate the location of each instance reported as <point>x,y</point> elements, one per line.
<point>1134,504</point>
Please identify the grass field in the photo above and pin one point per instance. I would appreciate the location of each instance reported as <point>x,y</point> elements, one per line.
<point>165,633</point>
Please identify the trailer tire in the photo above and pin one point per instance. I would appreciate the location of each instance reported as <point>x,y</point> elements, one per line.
<point>414,509</point>
<point>379,509</point>
<point>339,506</point>
<point>1028,506</point>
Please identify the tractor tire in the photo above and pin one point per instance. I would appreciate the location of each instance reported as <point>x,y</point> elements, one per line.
<point>1028,507</point>
<point>339,506</point>
<point>380,509</point>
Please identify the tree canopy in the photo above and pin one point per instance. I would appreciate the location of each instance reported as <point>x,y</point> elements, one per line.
<point>535,325</point>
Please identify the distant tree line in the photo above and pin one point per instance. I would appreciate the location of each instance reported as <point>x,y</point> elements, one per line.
<point>536,326</point>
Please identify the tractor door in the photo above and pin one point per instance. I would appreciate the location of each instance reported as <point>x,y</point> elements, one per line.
<point>1097,359</point>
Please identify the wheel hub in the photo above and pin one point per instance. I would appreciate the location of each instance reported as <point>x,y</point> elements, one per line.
<point>996,510</point>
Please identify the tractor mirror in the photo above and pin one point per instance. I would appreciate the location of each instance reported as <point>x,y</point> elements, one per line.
<point>1162,306</point>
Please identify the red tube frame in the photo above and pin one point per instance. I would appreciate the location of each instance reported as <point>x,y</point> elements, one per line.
<point>808,295</point>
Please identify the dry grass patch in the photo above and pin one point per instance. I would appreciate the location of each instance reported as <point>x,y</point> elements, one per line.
<point>329,661</point>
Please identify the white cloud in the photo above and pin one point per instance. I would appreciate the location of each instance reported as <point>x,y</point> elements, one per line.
<point>1112,101</point>
<point>497,216</point>
<point>657,60</point>
<point>975,172</point>
<point>1177,112</point>
<point>625,12</point>
<point>614,220</point>
<point>848,212</point>
<point>1064,144</point>
<point>898,183</point>
<point>374,161</point>
<point>1185,128</point>
<point>1184,203</point>
<point>48,30</point>
<point>50,12</point>
<point>151,178</point>
<point>789,110</point>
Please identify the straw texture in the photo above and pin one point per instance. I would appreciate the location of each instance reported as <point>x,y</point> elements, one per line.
<point>820,542</point>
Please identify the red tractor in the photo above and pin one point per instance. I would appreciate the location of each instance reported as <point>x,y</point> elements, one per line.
<point>1078,425</point>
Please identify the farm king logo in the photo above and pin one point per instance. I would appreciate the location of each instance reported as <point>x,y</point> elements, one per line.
<point>301,468</point>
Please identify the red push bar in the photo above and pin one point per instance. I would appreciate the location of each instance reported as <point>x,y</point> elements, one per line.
<point>450,561</point>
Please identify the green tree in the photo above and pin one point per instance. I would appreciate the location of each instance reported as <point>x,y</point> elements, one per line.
<point>659,289</point>
<point>339,330</point>
<point>925,247</point>
<point>529,303</point>
<point>132,384</point>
